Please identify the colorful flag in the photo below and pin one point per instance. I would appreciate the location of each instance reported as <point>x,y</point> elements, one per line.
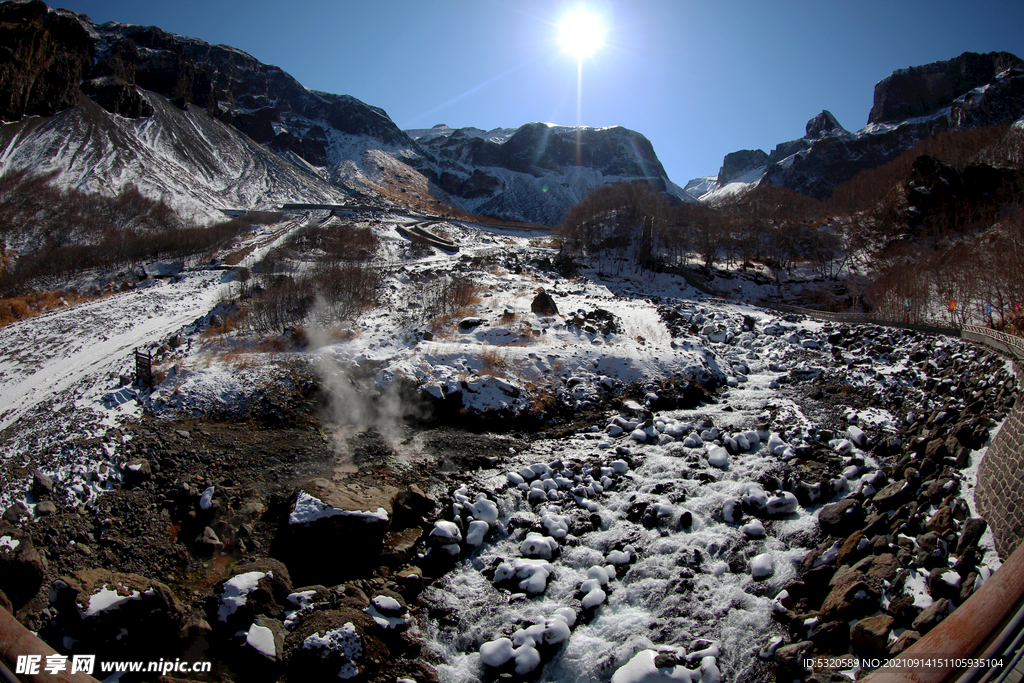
<point>989,309</point>
<point>1016,307</point>
<point>952,305</point>
<point>906,302</point>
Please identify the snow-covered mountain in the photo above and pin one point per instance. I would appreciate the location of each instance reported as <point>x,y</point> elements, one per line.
<point>539,170</point>
<point>135,104</point>
<point>912,104</point>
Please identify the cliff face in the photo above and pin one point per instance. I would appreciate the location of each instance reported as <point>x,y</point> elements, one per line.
<point>44,55</point>
<point>923,90</point>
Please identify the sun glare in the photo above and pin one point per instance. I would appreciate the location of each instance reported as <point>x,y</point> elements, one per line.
<point>580,34</point>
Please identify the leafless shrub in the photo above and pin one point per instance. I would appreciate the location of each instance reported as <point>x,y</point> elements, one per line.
<point>445,296</point>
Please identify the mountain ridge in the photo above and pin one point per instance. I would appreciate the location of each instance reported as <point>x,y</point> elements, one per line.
<point>337,138</point>
<point>909,105</point>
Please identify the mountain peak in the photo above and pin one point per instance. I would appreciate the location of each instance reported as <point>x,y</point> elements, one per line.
<point>823,125</point>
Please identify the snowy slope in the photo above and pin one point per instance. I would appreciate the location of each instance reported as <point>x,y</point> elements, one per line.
<point>196,163</point>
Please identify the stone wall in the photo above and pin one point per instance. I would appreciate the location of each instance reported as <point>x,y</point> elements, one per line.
<point>1001,479</point>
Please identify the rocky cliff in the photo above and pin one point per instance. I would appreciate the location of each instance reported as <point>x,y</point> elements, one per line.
<point>969,91</point>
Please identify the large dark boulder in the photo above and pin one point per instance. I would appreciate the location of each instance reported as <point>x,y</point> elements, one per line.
<point>544,304</point>
<point>44,55</point>
<point>841,518</point>
<point>22,568</point>
<point>922,90</point>
<point>117,616</point>
<point>334,531</point>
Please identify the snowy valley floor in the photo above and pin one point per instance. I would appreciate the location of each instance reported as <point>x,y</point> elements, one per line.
<point>659,491</point>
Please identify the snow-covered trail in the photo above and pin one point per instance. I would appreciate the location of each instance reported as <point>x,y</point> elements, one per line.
<point>46,355</point>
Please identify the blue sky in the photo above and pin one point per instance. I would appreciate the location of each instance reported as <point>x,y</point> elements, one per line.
<point>699,79</point>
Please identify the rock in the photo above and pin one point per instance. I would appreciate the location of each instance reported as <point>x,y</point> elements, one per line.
<point>942,521</point>
<point>971,533</point>
<point>931,616</point>
<point>334,531</point>
<point>42,485</point>
<point>870,636</point>
<point>943,582</point>
<point>137,471</point>
<point>331,644</point>
<point>851,551</point>
<point>832,637</point>
<point>22,568</point>
<point>850,598</point>
<point>118,616</point>
<point>207,543</point>
<point>253,589</point>
<point>906,639</point>
<point>418,501</point>
<point>15,513</point>
<point>842,518</point>
<point>467,324</point>
<point>893,496</point>
<point>544,304</point>
<point>884,567</point>
<point>46,508</point>
<point>936,450</point>
<point>5,603</point>
<point>791,658</point>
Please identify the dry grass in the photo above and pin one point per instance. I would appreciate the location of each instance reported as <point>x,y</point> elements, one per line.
<point>494,361</point>
<point>237,320</point>
<point>37,303</point>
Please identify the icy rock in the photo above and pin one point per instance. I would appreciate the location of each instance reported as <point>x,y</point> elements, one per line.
<point>496,653</point>
<point>527,659</point>
<point>644,668</point>
<point>620,557</point>
<point>537,495</point>
<point>557,526</point>
<point>842,446</point>
<point>445,531</point>
<point>515,479</point>
<point>731,511</point>
<point>538,546</point>
<point>594,598</point>
<point>484,510</point>
<point>477,532</point>
<point>533,574</point>
<point>775,444</point>
<point>762,566</point>
<point>619,466</point>
<point>556,630</point>
<point>599,574</point>
<point>693,441</point>
<point>782,503</point>
<point>638,435</point>
<point>754,529</point>
<point>857,436</point>
<point>718,457</point>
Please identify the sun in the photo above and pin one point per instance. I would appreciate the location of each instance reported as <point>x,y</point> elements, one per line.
<point>580,34</point>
